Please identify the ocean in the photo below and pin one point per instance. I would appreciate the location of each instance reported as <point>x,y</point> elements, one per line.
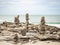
<point>50,19</point>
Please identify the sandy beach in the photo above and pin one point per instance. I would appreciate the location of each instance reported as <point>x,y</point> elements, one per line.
<point>32,43</point>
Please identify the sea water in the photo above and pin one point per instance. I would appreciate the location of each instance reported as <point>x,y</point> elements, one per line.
<point>50,19</point>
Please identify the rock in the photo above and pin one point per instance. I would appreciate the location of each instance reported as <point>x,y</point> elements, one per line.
<point>16,38</point>
<point>5,23</point>
<point>27,21</point>
<point>23,32</point>
<point>16,20</point>
<point>27,16</point>
<point>42,26</point>
<point>42,20</point>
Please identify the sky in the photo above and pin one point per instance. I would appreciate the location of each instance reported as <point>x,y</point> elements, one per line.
<point>33,7</point>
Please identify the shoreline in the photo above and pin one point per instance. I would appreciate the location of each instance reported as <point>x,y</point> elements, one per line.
<point>56,25</point>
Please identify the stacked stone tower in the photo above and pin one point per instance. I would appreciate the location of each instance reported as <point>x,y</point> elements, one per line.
<point>27,21</point>
<point>17,20</point>
<point>42,25</point>
<point>42,20</point>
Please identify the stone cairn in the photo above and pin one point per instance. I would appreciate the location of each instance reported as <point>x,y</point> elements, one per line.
<point>17,20</point>
<point>23,32</point>
<point>27,21</point>
<point>42,25</point>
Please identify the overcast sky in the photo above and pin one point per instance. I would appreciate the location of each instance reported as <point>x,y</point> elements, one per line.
<point>33,7</point>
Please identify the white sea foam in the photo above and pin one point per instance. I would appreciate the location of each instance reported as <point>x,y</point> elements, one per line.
<point>57,25</point>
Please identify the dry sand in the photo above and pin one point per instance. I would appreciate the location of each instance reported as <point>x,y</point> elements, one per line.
<point>32,43</point>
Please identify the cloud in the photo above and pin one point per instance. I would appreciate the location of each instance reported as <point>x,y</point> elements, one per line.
<point>32,6</point>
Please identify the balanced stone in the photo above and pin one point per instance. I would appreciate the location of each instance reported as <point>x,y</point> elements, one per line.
<point>16,38</point>
<point>5,23</point>
<point>27,21</point>
<point>17,20</point>
<point>42,25</point>
<point>42,20</point>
